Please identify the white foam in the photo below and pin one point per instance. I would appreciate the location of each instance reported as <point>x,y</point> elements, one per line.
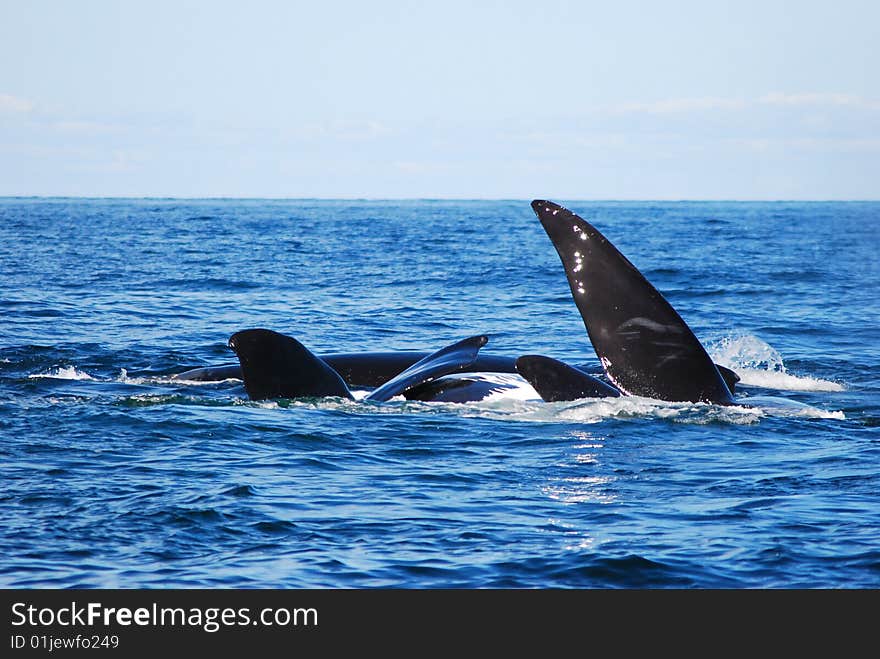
<point>73,373</point>
<point>759,364</point>
<point>127,379</point>
<point>597,410</point>
<point>64,373</point>
<point>123,377</point>
<point>635,407</point>
<point>784,381</point>
<point>784,407</point>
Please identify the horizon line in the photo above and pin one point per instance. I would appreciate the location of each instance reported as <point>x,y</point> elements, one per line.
<point>450,198</point>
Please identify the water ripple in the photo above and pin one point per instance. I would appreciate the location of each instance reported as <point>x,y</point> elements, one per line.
<point>116,475</point>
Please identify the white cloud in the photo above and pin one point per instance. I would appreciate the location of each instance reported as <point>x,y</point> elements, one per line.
<point>814,144</point>
<point>90,128</point>
<point>778,99</point>
<point>341,130</point>
<point>421,167</point>
<point>781,98</point>
<point>15,104</point>
<point>845,144</point>
<point>677,105</point>
<point>566,137</point>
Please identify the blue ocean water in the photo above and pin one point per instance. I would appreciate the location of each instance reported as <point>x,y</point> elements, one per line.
<point>115,476</point>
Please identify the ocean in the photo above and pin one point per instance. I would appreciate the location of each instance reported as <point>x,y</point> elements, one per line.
<point>115,476</point>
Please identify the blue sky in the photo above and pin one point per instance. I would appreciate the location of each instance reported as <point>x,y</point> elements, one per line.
<point>567,100</point>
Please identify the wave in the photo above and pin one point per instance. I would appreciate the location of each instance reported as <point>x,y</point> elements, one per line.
<point>597,410</point>
<point>523,403</point>
<point>73,373</point>
<point>759,364</point>
<point>776,406</point>
<point>63,373</point>
<point>125,378</point>
<point>636,407</point>
<point>585,411</point>
<point>784,381</point>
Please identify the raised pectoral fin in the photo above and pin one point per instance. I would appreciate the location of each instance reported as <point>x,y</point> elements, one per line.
<point>454,358</point>
<point>645,347</point>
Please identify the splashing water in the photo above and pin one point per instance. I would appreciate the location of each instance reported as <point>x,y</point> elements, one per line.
<point>64,373</point>
<point>759,364</point>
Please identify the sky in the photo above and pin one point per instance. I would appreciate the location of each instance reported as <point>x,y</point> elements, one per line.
<point>472,100</point>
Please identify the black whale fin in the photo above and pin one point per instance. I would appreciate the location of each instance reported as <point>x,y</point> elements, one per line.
<point>556,381</point>
<point>730,377</point>
<point>451,359</point>
<point>277,366</point>
<point>645,347</point>
<point>210,373</point>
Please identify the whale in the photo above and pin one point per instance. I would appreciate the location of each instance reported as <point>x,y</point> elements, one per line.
<point>365,369</point>
<point>275,365</point>
<point>643,345</point>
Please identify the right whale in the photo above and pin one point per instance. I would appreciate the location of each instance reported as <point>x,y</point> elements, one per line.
<point>645,347</point>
